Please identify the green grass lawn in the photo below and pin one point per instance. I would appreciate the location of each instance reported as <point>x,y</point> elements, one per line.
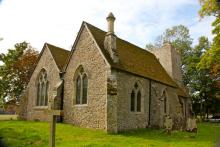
<point>36,134</point>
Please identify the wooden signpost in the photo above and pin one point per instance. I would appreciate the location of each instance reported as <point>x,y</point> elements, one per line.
<point>53,116</point>
<point>54,111</point>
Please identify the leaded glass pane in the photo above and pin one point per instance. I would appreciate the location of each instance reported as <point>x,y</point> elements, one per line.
<point>46,94</point>
<point>132,100</point>
<point>165,103</point>
<point>85,87</point>
<point>43,94</point>
<point>138,101</point>
<point>38,94</point>
<point>78,90</point>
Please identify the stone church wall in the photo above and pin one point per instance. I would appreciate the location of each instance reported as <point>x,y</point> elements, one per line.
<point>173,106</point>
<point>175,109</point>
<point>107,108</point>
<point>47,62</point>
<point>93,114</point>
<point>126,119</point>
<point>157,104</point>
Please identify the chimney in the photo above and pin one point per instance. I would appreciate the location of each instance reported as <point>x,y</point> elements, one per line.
<point>110,39</point>
<point>110,19</point>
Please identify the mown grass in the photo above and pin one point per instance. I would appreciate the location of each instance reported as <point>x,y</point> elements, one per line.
<point>36,134</point>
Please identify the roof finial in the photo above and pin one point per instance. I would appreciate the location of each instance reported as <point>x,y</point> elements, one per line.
<point>110,39</point>
<point>110,19</point>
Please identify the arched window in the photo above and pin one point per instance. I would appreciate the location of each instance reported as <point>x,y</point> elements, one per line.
<point>136,99</point>
<point>81,87</point>
<point>139,101</point>
<point>85,85</point>
<point>46,96</point>
<point>38,93</point>
<point>78,89</point>
<point>164,102</point>
<point>42,89</point>
<point>132,100</point>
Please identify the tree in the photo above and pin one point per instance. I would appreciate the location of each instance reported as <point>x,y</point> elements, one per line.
<point>198,80</point>
<point>211,60</point>
<point>15,72</point>
<point>179,37</point>
<point>201,84</point>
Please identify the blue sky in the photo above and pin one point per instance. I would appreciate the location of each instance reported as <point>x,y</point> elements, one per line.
<point>57,22</point>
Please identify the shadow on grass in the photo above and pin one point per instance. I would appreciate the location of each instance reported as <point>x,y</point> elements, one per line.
<point>161,135</point>
<point>207,133</point>
<point>17,137</point>
<point>2,143</point>
<point>35,134</point>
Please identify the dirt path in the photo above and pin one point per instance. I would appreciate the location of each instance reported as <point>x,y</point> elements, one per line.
<point>8,117</point>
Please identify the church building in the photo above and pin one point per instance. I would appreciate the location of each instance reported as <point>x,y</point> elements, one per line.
<point>107,83</point>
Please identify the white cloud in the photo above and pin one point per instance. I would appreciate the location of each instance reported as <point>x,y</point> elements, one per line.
<point>57,22</point>
<point>202,28</point>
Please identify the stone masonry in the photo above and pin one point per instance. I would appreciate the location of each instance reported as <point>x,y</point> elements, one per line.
<point>110,84</point>
<point>94,113</point>
<point>47,62</point>
<point>170,60</point>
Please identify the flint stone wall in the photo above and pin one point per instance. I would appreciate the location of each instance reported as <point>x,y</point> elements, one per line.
<point>22,111</point>
<point>47,62</point>
<point>94,113</point>
<point>174,109</point>
<point>127,120</point>
<point>109,91</point>
<point>171,61</point>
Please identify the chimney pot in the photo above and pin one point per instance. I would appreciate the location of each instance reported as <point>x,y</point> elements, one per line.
<point>110,19</point>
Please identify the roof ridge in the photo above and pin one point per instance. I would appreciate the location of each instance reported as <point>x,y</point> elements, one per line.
<point>56,46</point>
<point>121,39</point>
<point>141,61</point>
<point>59,55</point>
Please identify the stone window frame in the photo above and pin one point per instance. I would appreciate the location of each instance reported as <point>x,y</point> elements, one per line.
<point>80,74</point>
<point>42,96</point>
<point>136,89</point>
<point>182,102</point>
<point>165,101</point>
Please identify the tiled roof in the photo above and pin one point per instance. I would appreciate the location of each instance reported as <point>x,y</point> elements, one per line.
<point>133,59</point>
<point>60,55</point>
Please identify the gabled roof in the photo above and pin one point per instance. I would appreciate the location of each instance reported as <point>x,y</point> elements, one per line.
<point>133,59</point>
<point>60,55</point>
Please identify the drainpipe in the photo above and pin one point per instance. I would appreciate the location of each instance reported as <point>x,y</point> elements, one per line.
<point>149,113</point>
